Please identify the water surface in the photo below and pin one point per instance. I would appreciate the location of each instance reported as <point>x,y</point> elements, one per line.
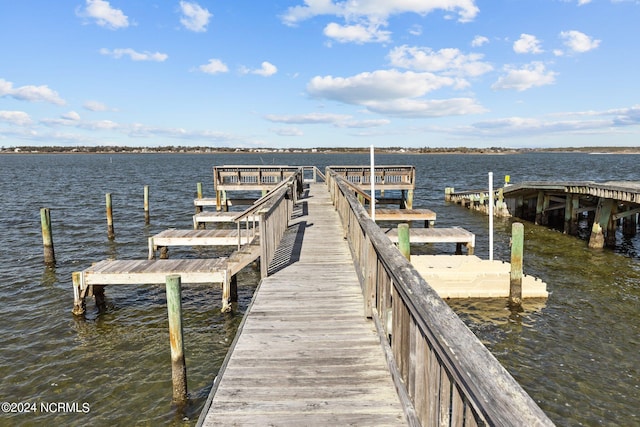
<point>576,353</point>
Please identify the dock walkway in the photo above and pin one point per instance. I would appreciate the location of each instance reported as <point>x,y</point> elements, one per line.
<point>306,354</point>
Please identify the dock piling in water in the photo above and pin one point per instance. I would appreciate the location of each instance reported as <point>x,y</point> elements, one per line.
<point>146,205</point>
<point>47,239</point>
<point>404,243</point>
<point>110,232</point>
<point>517,247</point>
<point>178,366</point>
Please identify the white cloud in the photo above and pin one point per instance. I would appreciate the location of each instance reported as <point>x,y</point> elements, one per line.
<point>527,43</point>
<point>104,14</point>
<point>415,30</point>
<point>583,2</point>
<point>579,42</point>
<point>337,120</point>
<point>378,85</point>
<point>18,118</point>
<point>448,61</point>
<point>134,55</point>
<point>96,106</point>
<point>291,131</point>
<point>195,17</point>
<point>479,41</point>
<point>30,93</point>
<point>267,69</point>
<point>377,10</point>
<point>311,118</point>
<point>531,75</point>
<point>214,66</point>
<point>363,19</point>
<point>71,115</point>
<point>356,33</point>
<point>427,107</point>
<point>393,92</point>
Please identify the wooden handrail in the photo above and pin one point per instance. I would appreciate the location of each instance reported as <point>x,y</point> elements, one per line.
<point>274,210</point>
<point>449,376</point>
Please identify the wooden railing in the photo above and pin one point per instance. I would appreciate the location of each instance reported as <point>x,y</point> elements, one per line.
<point>274,211</point>
<point>443,373</point>
<point>386,177</point>
<point>250,177</point>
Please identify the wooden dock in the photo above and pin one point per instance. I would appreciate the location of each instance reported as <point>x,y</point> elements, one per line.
<point>305,354</point>
<point>456,235</point>
<point>562,204</point>
<point>342,329</point>
<point>217,217</point>
<point>221,237</point>
<point>426,215</point>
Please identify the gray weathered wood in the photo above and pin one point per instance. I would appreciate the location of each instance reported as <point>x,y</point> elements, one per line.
<point>306,355</point>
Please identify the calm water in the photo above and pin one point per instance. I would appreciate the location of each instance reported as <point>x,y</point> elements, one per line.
<point>576,354</point>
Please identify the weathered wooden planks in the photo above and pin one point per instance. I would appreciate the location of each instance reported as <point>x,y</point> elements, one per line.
<point>306,355</point>
<point>120,272</point>
<point>223,237</point>
<point>405,215</point>
<point>456,235</point>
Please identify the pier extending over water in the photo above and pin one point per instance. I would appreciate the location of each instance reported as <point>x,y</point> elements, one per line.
<point>605,206</point>
<point>344,328</point>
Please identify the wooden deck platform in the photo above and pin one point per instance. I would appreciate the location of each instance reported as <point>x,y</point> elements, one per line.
<point>120,272</point>
<point>401,215</point>
<point>456,235</point>
<point>218,217</point>
<point>223,237</point>
<point>305,354</point>
<point>454,276</point>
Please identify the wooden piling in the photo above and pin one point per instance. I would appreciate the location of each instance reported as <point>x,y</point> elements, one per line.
<point>47,238</point>
<point>78,298</point>
<point>199,195</point>
<point>178,366</point>
<point>517,248</point>
<point>404,243</point>
<point>448,191</point>
<point>110,232</point>
<point>146,205</point>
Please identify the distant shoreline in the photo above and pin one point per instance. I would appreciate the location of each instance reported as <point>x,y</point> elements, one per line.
<point>324,150</point>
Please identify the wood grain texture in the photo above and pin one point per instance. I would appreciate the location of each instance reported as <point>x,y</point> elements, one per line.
<point>306,354</point>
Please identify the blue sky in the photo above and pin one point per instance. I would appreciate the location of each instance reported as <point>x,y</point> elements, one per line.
<point>319,73</point>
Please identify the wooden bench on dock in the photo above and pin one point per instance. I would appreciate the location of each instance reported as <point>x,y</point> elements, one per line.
<point>222,237</point>
<point>426,215</point>
<point>456,235</point>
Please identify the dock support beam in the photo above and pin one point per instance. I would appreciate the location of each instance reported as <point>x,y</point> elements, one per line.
<point>178,366</point>
<point>630,225</point>
<point>78,294</point>
<point>47,239</point>
<point>517,248</point>
<point>600,223</point>
<point>229,292</point>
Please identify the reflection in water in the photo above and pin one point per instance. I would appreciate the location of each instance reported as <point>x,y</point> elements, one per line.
<point>49,277</point>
